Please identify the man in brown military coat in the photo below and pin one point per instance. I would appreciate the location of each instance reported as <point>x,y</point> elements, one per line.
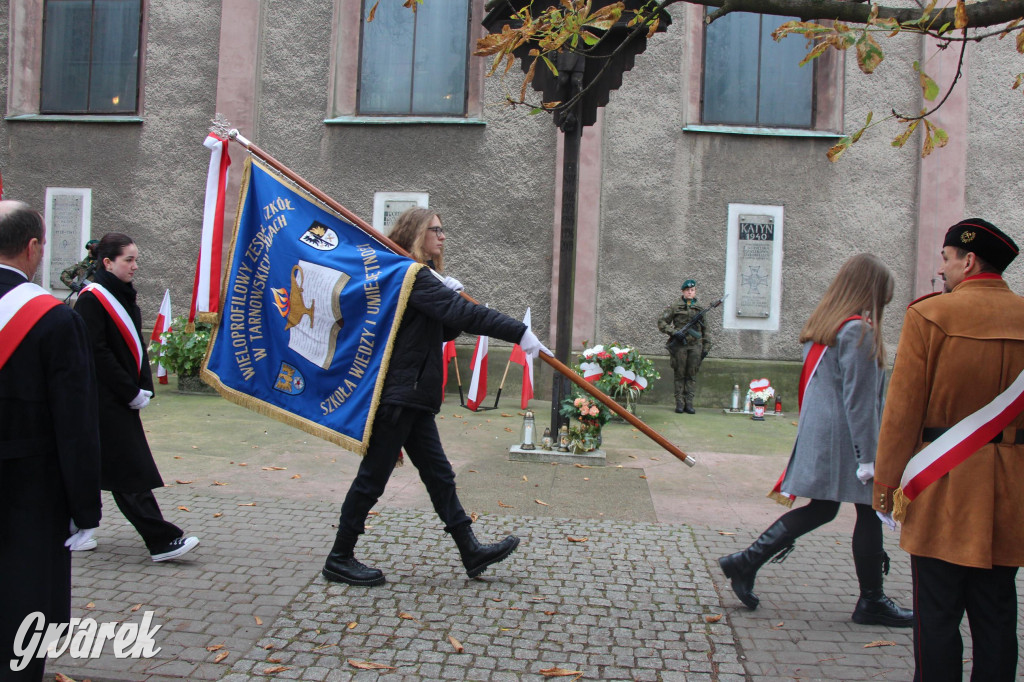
<point>951,401</point>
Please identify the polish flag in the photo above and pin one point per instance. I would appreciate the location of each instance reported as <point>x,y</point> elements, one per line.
<point>447,355</point>
<point>519,356</point>
<point>206,289</point>
<point>478,386</point>
<point>162,324</point>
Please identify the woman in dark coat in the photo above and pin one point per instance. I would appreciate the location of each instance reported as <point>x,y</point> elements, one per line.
<point>125,384</point>
<point>410,398</point>
<point>833,459</point>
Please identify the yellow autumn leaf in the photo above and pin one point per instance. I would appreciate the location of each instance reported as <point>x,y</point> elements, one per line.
<point>879,642</point>
<point>352,625</point>
<point>215,647</point>
<point>559,672</point>
<point>183,508</point>
<point>259,621</point>
<point>960,14</point>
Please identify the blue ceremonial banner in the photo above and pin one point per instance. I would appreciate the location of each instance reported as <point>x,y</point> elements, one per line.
<point>309,313</point>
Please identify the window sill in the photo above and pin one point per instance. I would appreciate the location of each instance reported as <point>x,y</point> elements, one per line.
<point>74,118</point>
<point>757,130</point>
<point>403,120</point>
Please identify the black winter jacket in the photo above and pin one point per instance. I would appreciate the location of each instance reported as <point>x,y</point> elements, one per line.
<point>435,314</point>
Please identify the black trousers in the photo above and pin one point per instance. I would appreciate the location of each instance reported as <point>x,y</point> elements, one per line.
<point>416,431</point>
<point>867,531</point>
<point>942,592</point>
<point>143,512</point>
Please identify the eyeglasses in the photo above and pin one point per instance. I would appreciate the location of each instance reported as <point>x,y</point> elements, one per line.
<point>436,230</point>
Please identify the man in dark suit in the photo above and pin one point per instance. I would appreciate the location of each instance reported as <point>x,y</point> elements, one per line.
<point>49,440</point>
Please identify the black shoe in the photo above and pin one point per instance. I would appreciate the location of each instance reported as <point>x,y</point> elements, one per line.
<point>881,610</point>
<point>175,549</point>
<point>349,571</point>
<point>679,409</point>
<point>741,568</point>
<point>477,557</point>
<point>689,410</point>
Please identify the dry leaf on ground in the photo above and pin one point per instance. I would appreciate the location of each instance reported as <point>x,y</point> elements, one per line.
<point>215,647</point>
<point>572,539</point>
<point>368,665</point>
<point>506,506</point>
<point>217,515</point>
<point>879,642</point>
<point>184,509</point>
<point>221,656</point>
<point>542,503</point>
<point>135,608</point>
<point>61,677</point>
<point>352,625</point>
<point>456,644</point>
<point>713,619</point>
<point>259,621</point>
<point>246,504</point>
<point>725,532</point>
<point>183,482</point>
<point>276,669</point>
<point>559,672</point>
<point>275,468</point>
<point>218,483</point>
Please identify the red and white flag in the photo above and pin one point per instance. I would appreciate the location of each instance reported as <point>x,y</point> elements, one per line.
<point>447,355</point>
<point>519,356</point>
<point>206,289</point>
<point>162,324</point>
<point>478,386</point>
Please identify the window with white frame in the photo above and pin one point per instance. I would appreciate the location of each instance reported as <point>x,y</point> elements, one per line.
<point>751,80</point>
<point>90,57</point>
<point>414,63</point>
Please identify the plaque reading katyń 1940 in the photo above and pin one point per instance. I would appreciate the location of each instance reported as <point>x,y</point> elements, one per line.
<point>756,246</point>
<point>65,245</point>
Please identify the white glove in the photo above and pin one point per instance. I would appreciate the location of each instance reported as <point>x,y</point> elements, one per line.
<point>79,539</point>
<point>887,519</point>
<point>531,345</point>
<point>452,283</point>
<point>141,400</point>
<point>865,472</point>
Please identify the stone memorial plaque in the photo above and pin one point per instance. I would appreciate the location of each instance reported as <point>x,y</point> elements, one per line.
<point>68,219</point>
<point>754,260</point>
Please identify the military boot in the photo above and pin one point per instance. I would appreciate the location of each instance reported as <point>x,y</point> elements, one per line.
<point>688,407</point>
<point>342,567</point>
<point>873,607</point>
<point>477,557</point>
<point>741,568</point>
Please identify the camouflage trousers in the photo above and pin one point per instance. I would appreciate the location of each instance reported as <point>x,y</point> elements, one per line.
<point>685,364</point>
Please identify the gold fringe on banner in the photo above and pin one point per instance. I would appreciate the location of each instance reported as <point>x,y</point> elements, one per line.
<point>780,498</point>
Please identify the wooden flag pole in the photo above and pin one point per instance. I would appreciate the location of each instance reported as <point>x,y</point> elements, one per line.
<point>556,364</point>
<point>502,384</point>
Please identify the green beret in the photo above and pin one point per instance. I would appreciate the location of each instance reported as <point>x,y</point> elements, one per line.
<point>689,283</point>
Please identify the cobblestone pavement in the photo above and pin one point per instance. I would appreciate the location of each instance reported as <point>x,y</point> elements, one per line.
<point>614,600</point>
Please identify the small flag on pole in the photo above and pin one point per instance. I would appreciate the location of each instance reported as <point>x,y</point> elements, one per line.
<point>478,385</point>
<point>162,324</point>
<point>447,355</point>
<point>206,289</point>
<point>519,357</point>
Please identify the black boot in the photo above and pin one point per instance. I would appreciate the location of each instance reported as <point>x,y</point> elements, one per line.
<point>477,557</point>
<point>342,567</point>
<point>873,607</point>
<point>680,408</point>
<point>741,567</point>
<point>688,407</point>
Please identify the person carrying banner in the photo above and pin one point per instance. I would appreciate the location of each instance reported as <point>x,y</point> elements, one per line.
<point>49,442</point>
<point>840,396</point>
<point>951,457</point>
<point>125,383</point>
<point>411,397</point>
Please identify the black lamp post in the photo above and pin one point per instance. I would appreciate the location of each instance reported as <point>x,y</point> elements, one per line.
<point>598,71</point>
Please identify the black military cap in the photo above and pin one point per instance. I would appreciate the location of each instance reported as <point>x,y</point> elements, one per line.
<point>985,239</point>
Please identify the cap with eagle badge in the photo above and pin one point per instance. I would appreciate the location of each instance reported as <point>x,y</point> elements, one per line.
<point>983,238</point>
<point>689,283</point>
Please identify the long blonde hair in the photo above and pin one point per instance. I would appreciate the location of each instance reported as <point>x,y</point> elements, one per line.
<point>411,229</point>
<point>863,286</point>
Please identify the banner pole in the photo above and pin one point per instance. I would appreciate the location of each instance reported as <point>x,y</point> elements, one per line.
<point>502,384</point>
<point>557,365</point>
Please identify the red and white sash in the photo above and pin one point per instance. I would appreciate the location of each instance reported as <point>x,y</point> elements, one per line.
<point>122,320</point>
<point>811,363</point>
<point>20,309</point>
<point>954,446</point>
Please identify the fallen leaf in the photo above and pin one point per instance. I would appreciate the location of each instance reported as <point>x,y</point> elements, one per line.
<point>526,479</point>
<point>275,660</point>
<point>323,646</point>
<point>218,483</point>
<point>725,532</point>
<point>296,476</point>
<point>497,599</point>
<point>550,613</point>
<point>275,468</point>
<point>642,476</point>
<point>582,466</point>
<point>352,625</point>
<point>543,503</point>
<point>456,644</point>
<point>195,447</point>
<point>243,464</point>
<point>183,509</point>
<point>793,423</point>
<point>505,414</point>
<point>586,478</point>
<point>472,471</point>
<point>406,616</point>
<point>215,647</point>
<point>778,625</point>
<point>572,539</point>
<point>90,605</point>
<point>246,504</point>
<point>177,457</point>
<point>135,608</point>
<point>276,669</point>
<point>729,435</point>
<point>506,506</point>
<point>217,515</point>
<point>508,429</point>
<point>473,517</point>
<point>367,665</point>
<point>655,459</point>
<point>183,482</point>
<point>268,647</point>
<point>559,672</point>
<point>713,619</point>
<point>61,677</point>
<point>259,621</point>
<point>221,656</point>
<point>632,456</point>
<point>879,642</point>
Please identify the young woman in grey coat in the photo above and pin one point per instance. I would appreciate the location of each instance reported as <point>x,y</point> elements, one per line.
<point>833,459</point>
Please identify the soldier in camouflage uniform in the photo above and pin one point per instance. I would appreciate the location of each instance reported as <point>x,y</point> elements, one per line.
<point>688,353</point>
<point>79,274</point>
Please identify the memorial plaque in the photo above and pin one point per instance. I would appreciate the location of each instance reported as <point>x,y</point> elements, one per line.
<point>754,260</point>
<point>394,208</point>
<point>387,206</point>
<point>67,229</point>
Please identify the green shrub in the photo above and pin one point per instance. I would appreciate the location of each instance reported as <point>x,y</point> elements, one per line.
<point>182,352</point>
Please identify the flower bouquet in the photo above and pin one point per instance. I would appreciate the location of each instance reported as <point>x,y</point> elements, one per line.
<point>589,416</point>
<point>617,370</point>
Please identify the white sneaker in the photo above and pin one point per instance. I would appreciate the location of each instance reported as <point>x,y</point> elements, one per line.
<point>85,546</point>
<point>175,549</point>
